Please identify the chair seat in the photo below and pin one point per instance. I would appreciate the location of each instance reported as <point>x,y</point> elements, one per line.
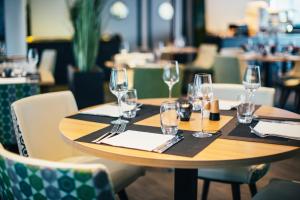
<point>121,174</point>
<point>278,190</point>
<point>246,175</point>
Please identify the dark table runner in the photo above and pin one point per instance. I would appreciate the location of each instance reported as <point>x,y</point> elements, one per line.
<point>189,146</point>
<point>145,112</point>
<point>235,131</point>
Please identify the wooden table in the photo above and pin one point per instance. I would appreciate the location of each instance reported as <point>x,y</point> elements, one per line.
<point>221,152</point>
<point>267,60</point>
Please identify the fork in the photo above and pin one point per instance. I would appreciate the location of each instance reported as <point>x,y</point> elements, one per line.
<point>112,131</point>
<point>121,130</point>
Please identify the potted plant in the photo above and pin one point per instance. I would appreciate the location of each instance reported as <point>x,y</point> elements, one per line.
<point>86,80</point>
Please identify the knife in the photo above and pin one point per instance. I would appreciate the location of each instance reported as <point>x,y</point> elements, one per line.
<point>168,144</point>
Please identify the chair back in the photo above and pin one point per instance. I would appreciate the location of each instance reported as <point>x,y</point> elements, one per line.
<point>149,83</point>
<point>47,66</point>
<point>206,56</point>
<point>227,70</point>
<point>8,94</point>
<point>263,96</point>
<point>231,51</point>
<point>37,121</point>
<point>27,178</point>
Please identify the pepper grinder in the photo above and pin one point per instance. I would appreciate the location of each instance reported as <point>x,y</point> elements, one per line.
<point>214,114</point>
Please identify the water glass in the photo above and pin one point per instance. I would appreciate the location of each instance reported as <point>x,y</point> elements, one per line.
<point>129,103</point>
<point>191,97</point>
<point>169,117</point>
<point>245,109</point>
<point>251,79</point>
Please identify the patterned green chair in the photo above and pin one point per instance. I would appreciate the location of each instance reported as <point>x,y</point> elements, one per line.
<point>149,83</point>
<point>8,94</point>
<point>26,178</point>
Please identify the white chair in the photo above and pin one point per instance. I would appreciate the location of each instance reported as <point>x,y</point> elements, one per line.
<point>206,56</point>
<point>27,178</point>
<point>263,96</point>
<point>237,175</point>
<point>36,120</point>
<point>47,66</point>
<point>231,51</point>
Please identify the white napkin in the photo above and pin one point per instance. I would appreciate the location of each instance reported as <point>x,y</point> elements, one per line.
<point>227,104</point>
<point>105,110</point>
<point>13,80</point>
<point>279,129</point>
<point>138,140</point>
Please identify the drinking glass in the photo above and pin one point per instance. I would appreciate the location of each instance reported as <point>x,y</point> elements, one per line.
<point>129,103</point>
<point>251,80</point>
<point>33,56</point>
<point>191,97</point>
<point>169,117</point>
<point>118,85</point>
<point>245,109</point>
<point>171,74</point>
<point>203,92</point>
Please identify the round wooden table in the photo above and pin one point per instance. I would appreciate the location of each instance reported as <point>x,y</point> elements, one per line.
<point>222,152</point>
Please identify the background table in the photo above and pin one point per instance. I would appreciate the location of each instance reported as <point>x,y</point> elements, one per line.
<point>221,152</point>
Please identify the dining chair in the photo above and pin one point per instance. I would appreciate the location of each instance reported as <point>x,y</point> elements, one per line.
<point>47,68</point>
<point>279,189</point>
<point>8,94</point>
<point>226,69</point>
<point>28,178</point>
<point>237,175</point>
<point>149,83</point>
<point>290,82</point>
<point>36,121</point>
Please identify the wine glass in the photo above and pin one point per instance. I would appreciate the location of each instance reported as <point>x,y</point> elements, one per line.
<point>251,80</point>
<point>171,74</point>
<point>203,92</point>
<point>33,56</point>
<point>118,85</point>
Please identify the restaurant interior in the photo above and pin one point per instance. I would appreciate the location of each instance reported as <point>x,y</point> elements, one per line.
<point>150,99</point>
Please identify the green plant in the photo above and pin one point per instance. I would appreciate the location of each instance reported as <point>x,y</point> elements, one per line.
<point>86,19</point>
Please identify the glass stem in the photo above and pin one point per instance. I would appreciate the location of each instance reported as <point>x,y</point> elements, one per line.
<point>202,110</point>
<point>170,92</point>
<point>119,106</point>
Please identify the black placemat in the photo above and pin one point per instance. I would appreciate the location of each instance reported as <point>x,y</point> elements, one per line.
<point>189,146</point>
<point>235,131</point>
<point>145,112</point>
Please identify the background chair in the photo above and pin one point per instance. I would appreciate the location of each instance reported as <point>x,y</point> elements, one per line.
<point>26,178</point>
<point>278,190</point>
<point>149,83</point>
<point>8,94</point>
<point>36,121</point>
<point>47,68</point>
<point>226,69</point>
<point>237,175</point>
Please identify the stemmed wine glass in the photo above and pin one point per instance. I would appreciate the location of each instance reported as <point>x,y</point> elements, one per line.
<point>251,80</point>
<point>203,92</point>
<point>118,85</point>
<point>33,56</point>
<point>171,74</point>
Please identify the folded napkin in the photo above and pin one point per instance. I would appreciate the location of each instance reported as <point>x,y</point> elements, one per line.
<point>138,140</point>
<point>13,80</point>
<point>279,129</point>
<point>105,110</point>
<point>227,104</point>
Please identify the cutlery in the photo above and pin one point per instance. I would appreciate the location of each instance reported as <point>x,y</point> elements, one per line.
<point>113,130</point>
<point>168,144</point>
<point>138,105</point>
<point>263,135</point>
<point>121,130</point>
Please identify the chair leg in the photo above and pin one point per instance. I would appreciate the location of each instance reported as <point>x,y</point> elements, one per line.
<point>123,195</point>
<point>253,189</point>
<point>236,193</point>
<point>284,97</point>
<point>205,189</point>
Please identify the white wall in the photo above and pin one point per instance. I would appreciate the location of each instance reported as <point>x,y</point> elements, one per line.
<point>220,13</point>
<point>50,18</point>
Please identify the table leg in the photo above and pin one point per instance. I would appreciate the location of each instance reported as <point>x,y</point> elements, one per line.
<point>185,184</point>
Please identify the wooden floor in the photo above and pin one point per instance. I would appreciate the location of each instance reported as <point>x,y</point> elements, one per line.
<point>158,183</point>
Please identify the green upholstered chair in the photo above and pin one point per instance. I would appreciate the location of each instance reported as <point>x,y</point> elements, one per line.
<point>149,83</point>
<point>278,190</point>
<point>8,94</point>
<point>27,178</point>
<point>226,70</point>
